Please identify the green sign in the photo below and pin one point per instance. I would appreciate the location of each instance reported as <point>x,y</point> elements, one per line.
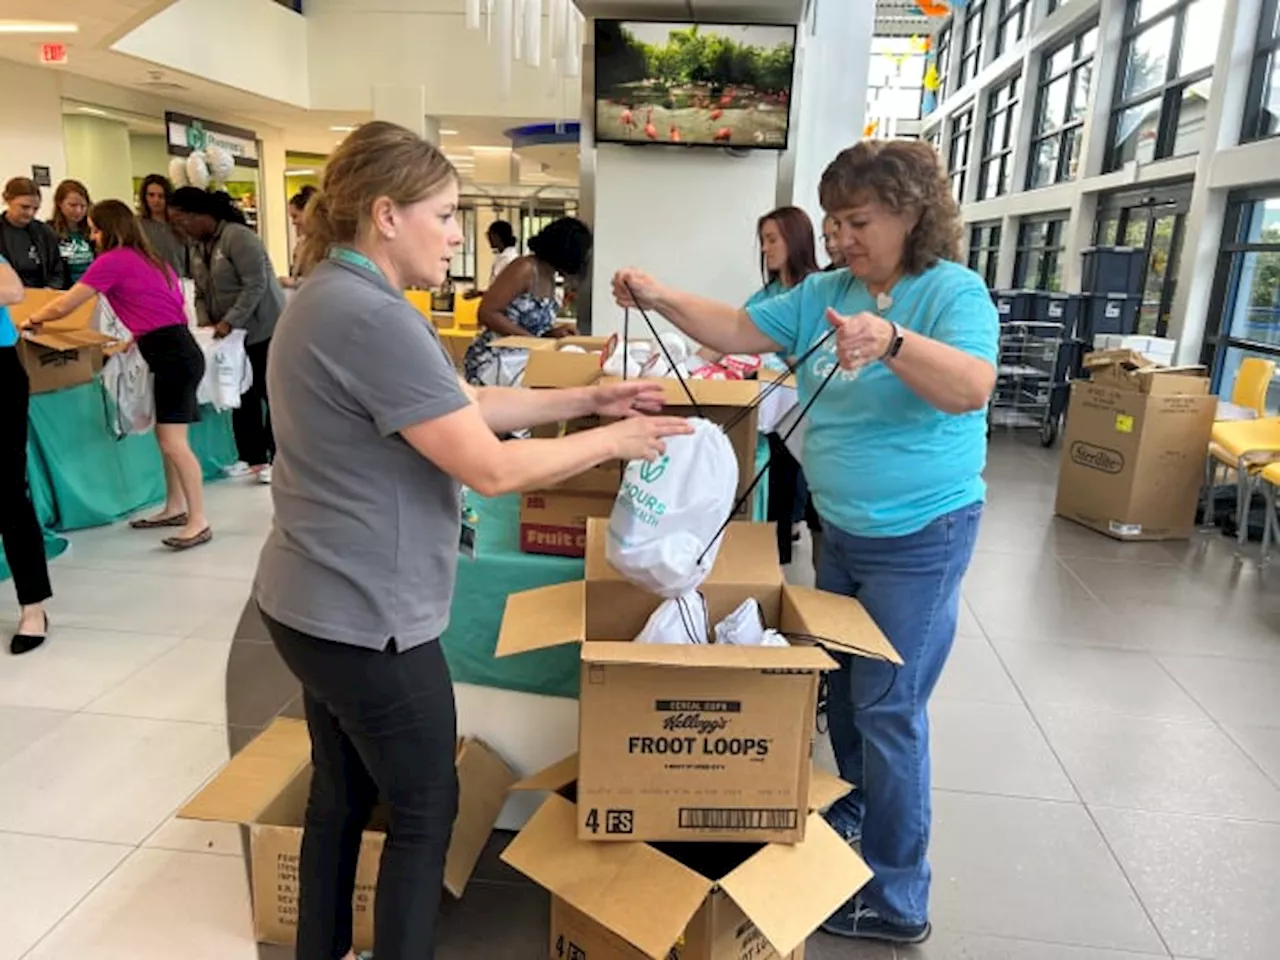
<point>196,137</point>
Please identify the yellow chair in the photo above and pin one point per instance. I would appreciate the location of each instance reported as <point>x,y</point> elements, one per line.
<point>1247,447</point>
<point>1252,381</point>
<point>1270,476</point>
<point>466,313</point>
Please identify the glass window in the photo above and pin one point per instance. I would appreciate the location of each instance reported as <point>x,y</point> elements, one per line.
<point>1066,75</point>
<point>1013,24</point>
<point>1168,55</point>
<point>997,139</point>
<point>942,58</point>
<point>1262,113</point>
<point>984,250</point>
<point>958,151</point>
<point>975,18</point>
<point>1038,263</point>
<point>1247,289</point>
<point>895,84</point>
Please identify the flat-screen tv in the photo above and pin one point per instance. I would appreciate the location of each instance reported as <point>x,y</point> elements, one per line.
<point>704,84</point>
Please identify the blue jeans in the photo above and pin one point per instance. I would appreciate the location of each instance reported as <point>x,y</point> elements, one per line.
<point>911,588</point>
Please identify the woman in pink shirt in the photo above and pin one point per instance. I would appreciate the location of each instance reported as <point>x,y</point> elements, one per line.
<point>147,297</point>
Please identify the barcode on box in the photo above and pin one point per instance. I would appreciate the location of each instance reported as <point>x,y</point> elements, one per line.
<point>728,818</point>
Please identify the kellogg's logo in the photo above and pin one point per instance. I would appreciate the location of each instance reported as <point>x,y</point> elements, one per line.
<point>1097,458</point>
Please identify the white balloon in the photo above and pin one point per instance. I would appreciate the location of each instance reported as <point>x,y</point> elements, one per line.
<point>220,163</point>
<point>178,172</point>
<point>197,171</point>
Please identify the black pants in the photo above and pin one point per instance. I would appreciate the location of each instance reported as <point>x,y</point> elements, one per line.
<point>19,528</point>
<point>382,724</point>
<point>251,421</point>
<point>789,499</point>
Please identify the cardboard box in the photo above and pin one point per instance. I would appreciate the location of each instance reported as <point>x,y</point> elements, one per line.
<point>1154,349</point>
<point>555,521</point>
<point>680,742</point>
<point>265,788</point>
<point>81,318</point>
<point>1135,445</point>
<point>58,359</point>
<point>693,901</point>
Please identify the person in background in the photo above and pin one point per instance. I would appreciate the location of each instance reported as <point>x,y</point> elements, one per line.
<point>502,241</point>
<point>831,242</point>
<point>356,578</point>
<point>153,209</point>
<point>19,528</point>
<point>71,224</point>
<point>146,295</point>
<point>787,256</point>
<point>239,290</point>
<point>894,451</point>
<point>297,209</point>
<point>522,301</point>
<point>30,245</point>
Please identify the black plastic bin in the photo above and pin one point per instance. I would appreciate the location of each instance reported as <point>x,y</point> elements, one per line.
<point>1111,313</point>
<point>1063,308</point>
<point>1114,269</point>
<point>1015,304</point>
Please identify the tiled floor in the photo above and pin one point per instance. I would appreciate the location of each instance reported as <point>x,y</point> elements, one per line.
<point>1107,753</point>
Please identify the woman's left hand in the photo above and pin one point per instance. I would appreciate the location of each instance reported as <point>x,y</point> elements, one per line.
<point>627,399</point>
<point>562,330</point>
<point>222,329</point>
<point>861,338</point>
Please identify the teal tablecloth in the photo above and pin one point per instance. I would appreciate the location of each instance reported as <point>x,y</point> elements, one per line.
<point>81,476</point>
<point>499,569</point>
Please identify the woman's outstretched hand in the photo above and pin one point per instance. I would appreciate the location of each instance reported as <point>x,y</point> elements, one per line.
<point>642,438</point>
<point>628,399</point>
<point>635,288</point>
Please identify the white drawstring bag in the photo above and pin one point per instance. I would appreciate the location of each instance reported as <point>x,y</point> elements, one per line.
<point>679,621</point>
<point>664,532</point>
<point>126,378</point>
<point>745,628</point>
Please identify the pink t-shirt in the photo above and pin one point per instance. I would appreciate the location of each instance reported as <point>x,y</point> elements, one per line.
<point>143,298</point>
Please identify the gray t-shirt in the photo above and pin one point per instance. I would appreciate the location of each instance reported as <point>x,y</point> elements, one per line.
<point>364,546</point>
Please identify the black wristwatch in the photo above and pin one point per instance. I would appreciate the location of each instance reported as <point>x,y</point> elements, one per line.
<point>895,343</point>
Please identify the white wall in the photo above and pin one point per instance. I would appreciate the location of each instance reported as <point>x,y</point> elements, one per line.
<point>100,156</point>
<point>31,125</point>
<point>149,154</point>
<point>687,216</point>
<point>422,43</point>
<point>254,45</point>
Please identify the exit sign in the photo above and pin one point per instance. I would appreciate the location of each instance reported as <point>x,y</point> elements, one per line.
<point>53,53</point>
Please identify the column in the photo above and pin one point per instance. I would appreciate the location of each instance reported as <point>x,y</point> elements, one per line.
<point>830,98</point>
<point>406,106</point>
<point>99,155</point>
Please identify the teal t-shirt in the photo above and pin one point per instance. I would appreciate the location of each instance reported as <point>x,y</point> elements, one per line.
<point>880,461</point>
<point>77,251</point>
<point>8,332</point>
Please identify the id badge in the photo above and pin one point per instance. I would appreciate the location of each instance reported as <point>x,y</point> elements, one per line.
<point>467,530</point>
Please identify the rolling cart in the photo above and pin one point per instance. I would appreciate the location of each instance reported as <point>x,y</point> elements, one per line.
<point>1027,378</point>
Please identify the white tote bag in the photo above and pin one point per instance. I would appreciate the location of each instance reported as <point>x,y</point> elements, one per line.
<point>126,378</point>
<point>665,528</point>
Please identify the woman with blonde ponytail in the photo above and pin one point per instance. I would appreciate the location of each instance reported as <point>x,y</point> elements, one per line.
<point>374,434</point>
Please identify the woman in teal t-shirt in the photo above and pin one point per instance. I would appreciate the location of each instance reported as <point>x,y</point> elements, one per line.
<point>787,256</point>
<point>894,450</point>
<point>71,223</point>
<point>19,528</point>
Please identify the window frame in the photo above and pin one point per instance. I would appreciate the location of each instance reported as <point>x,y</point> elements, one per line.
<point>1048,255</point>
<point>960,127</point>
<point>1266,50</point>
<point>1232,250</point>
<point>1006,11</point>
<point>975,10</point>
<point>1002,154</point>
<point>943,48</point>
<point>1064,128</point>
<point>984,249</point>
<point>1168,94</point>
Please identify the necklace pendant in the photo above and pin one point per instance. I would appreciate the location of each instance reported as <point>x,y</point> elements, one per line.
<point>883,302</point>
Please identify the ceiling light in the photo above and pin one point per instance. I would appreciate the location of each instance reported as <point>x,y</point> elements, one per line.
<point>305,172</point>
<point>448,133</point>
<point>342,128</point>
<point>38,26</point>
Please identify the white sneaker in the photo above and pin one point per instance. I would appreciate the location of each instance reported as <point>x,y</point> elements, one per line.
<point>264,475</point>
<point>237,470</point>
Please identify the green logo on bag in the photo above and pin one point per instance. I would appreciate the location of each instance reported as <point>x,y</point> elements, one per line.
<point>651,472</point>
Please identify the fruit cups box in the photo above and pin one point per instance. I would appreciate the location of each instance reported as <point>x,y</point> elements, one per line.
<point>1135,446</point>
<point>694,901</point>
<point>555,521</point>
<point>265,788</point>
<point>694,743</point>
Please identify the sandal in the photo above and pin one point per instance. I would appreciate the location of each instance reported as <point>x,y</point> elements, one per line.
<point>145,523</point>
<point>186,543</point>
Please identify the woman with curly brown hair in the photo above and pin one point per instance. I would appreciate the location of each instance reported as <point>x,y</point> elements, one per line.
<point>894,453</point>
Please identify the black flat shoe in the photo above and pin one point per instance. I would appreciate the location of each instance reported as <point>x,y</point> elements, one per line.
<point>25,642</point>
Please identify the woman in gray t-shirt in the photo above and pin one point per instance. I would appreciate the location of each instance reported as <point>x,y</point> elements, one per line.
<point>374,433</point>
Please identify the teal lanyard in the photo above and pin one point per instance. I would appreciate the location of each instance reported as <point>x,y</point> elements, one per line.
<point>355,258</point>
